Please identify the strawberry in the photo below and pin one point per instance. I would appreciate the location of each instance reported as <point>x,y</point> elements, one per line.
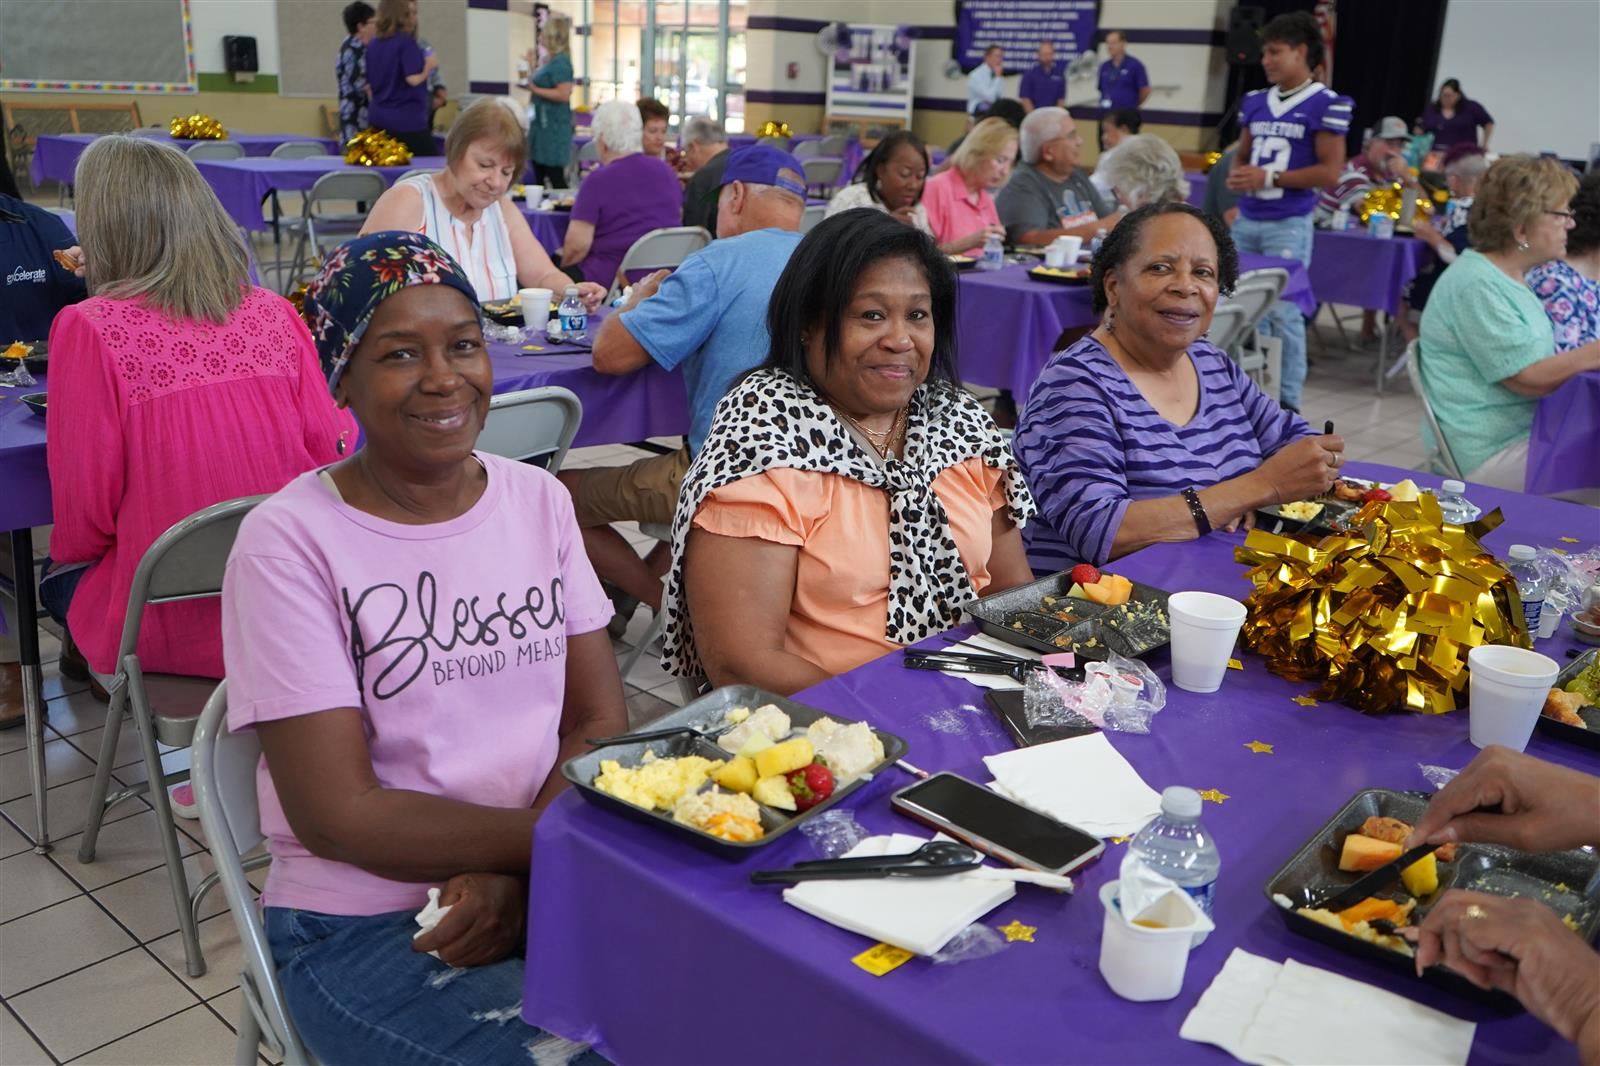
<point>810,785</point>
<point>1084,574</point>
<point>1376,494</point>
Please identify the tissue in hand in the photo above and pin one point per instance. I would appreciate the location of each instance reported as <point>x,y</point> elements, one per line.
<point>429,916</point>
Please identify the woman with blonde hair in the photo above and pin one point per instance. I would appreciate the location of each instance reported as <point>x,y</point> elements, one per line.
<point>1142,170</point>
<point>1487,348</point>
<point>958,199</point>
<point>550,131</point>
<point>397,75</point>
<point>175,386</point>
<point>466,208</point>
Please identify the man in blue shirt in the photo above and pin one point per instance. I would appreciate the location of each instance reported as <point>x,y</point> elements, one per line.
<point>1045,84</point>
<point>1123,81</point>
<point>33,286</point>
<point>708,317</point>
<point>984,83</point>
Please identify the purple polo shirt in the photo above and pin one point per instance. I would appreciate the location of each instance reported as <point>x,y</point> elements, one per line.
<point>625,199</point>
<point>1044,88</point>
<point>396,106</point>
<point>1119,86</point>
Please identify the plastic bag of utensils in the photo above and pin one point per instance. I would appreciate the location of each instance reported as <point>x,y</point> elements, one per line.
<point>1121,695</point>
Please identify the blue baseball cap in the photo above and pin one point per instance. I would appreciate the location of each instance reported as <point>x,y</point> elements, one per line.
<point>762,164</point>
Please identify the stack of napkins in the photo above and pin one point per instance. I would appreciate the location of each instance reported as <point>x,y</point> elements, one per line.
<point>1296,1015</point>
<point>919,914</point>
<point>1082,781</point>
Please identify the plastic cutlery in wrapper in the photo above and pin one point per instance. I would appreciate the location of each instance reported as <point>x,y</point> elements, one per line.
<point>1119,694</point>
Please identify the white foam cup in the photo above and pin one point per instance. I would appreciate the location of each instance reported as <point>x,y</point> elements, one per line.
<point>1204,627</point>
<point>1070,247</point>
<point>533,195</point>
<point>535,306</point>
<point>1147,962</point>
<point>1506,690</point>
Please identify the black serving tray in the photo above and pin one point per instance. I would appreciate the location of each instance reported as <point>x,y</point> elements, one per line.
<point>1078,276</point>
<point>1000,614</point>
<point>1557,879</point>
<point>35,402</point>
<point>37,362</point>
<point>1588,738</point>
<point>706,713</point>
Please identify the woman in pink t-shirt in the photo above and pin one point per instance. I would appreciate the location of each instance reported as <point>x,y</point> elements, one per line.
<point>417,638</point>
<point>958,201</point>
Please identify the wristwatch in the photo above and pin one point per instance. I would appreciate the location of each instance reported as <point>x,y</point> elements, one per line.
<point>1271,180</point>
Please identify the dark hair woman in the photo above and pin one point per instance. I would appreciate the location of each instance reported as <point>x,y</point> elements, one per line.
<point>1453,119</point>
<point>890,179</point>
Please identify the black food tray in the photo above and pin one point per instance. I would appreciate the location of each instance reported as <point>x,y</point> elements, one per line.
<point>1557,879</point>
<point>998,615</point>
<point>1588,738</point>
<point>706,713</point>
<point>35,402</point>
<point>1077,278</point>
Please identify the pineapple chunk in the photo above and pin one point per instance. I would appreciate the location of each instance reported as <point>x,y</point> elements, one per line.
<point>756,743</point>
<point>781,758</point>
<point>774,792</point>
<point>1421,878</point>
<point>736,775</point>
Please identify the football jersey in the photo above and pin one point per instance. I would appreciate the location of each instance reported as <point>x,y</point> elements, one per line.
<point>1283,136</point>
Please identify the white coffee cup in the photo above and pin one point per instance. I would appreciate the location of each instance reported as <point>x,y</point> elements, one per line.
<point>1506,690</point>
<point>1145,963</point>
<point>533,195</point>
<point>1070,247</point>
<point>1204,627</point>
<point>535,306</point>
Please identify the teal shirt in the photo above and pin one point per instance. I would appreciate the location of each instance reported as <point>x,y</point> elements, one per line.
<point>1479,328</point>
<point>550,131</point>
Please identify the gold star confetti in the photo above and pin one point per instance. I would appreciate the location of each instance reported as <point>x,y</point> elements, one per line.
<point>1569,540</point>
<point>1235,664</point>
<point>1259,748</point>
<point>1561,886</point>
<point>1017,931</point>
<point>1559,551</point>
<point>1215,795</point>
<point>532,348</point>
<point>1120,840</point>
<point>1306,701</point>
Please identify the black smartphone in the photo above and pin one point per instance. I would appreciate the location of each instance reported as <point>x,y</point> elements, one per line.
<point>997,826</point>
<point>1007,705</point>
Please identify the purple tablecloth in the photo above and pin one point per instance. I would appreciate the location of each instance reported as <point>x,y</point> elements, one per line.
<point>654,951</point>
<point>1007,323</point>
<point>55,155</point>
<point>549,227</point>
<point>25,485</point>
<point>1358,270</point>
<point>1564,448</point>
<point>243,184</point>
<point>1197,187</point>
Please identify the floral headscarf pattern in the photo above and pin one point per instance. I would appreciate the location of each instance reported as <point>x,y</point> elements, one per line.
<point>360,275</point>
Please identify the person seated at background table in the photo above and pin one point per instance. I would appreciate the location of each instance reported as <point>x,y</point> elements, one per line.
<point>890,179</point>
<point>1464,167</point>
<point>850,495</point>
<point>957,199</point>
<point>654,116</point>
<point>705,149</point>
<point>708,317</point>
<point>350,70</point>
<point>466,208</point>
<point>1050,196</point>
<point>37,286</point>
<point>392,765</point>
<point>1118,124</point>
<point>550,89</point>
<point>1143,170</point>
<point>175,386</point>
<point>1453,119</point>
<point>630,194</point>
<point>1011,112</point>
<point>1143,432</point>
<point>1569,287</point>
<point>1381,162</point>
<point>397,74</point>
<point>1487,347</point>
<point>1516,944</point>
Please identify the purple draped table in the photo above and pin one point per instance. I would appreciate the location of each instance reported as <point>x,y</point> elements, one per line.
<point>243,184</point>
<point>1564,447</point>
<point>1197,187</point>
<point>1007,323</point>
<point>654,951</point>
<point>1359,270</point>
<point>55,155</point>
<point>549,227</point>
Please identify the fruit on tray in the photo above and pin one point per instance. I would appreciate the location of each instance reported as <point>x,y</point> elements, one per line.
<point>1404,491</point>
<point>781,758</point>
<point>773,791</point>
<point>1084,574</point>
<point>737,774</point>
<point>810,785</point>
<point>1111,590</point>
<point>1364,854</point>
<point>1376,494</point>
<point>1371,908</point>
<point>1421,878</point>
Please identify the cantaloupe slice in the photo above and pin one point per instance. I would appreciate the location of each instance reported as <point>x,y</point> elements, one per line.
<point>1421,878</point>
<point>1370,909</point>
<point>1365,854</point>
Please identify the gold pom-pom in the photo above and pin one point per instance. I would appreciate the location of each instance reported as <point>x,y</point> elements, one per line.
<point>196,127</point>
<point>771,128</point>
<point>375,148</point>
<point>1384,200</point>
<point>1211,160</point>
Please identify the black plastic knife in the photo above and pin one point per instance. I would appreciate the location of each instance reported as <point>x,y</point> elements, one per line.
<point>1378,879</point>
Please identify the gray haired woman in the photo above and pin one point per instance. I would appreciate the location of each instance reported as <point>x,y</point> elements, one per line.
<point>1142,170</point>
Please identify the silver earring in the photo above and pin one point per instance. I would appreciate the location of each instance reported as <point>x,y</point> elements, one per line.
<point>1522,246</point>
<point>1111,320</point>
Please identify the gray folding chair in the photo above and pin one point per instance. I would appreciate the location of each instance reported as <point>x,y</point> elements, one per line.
<point>813,214</point>
<point>147,131</point>
<point>780,143</point>
<point>660,531</point>
<point>807,150</point>
<point>225,791</point>
<point>215,150</point>
<point>658,249</point>
<point>1228,324</point>
<point>299,150</point>
<point>1442,459</point>
<point>318,223</point>
<point>532,425</point>
<point>822,175</point>
<point>417,172</point>
<point>185,563</point>
<point>835,144</point>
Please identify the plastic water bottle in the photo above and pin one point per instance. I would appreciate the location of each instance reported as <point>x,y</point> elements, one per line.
<point>1099,239</point>
<point>1531,584</point>
<point>994,253</point>
<point>1456,508</point>
<point>1178,847</point>
<point>1342,221</point>
<point>573,316</point>
<point>1380,225</point>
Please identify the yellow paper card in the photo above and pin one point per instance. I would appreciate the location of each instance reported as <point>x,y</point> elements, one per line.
<point>881,958</point>
<point>1235,664</point>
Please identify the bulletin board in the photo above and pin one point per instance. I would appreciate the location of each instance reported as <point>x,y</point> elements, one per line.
<point>142,46</point>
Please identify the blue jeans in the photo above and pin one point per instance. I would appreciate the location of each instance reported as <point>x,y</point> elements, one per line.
<point>1285,238</point>
<point>57,585</point>
<point>359,994</point>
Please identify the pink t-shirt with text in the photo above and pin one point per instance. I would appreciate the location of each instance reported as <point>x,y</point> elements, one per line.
<point>451,638</point>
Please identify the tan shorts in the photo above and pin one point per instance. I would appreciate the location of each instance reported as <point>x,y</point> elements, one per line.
<point>645,491</point>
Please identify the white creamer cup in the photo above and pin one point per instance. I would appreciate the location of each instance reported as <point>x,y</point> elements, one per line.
<point>533,195</point>
<point>1204,627</point>
<point>1142,963</point>
<point>1507,687</point>
<point>535,306</point>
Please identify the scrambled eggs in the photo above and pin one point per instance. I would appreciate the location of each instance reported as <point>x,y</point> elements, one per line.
<point>655,784</point>
<point>1300,511</point>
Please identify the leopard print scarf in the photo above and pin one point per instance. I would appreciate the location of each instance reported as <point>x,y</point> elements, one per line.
<point>771,420</point>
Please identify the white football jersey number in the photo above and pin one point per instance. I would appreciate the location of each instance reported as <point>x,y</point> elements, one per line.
<point>1270,153</point>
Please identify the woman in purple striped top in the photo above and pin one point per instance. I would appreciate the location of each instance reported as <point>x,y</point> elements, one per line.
<point>1142,432</point>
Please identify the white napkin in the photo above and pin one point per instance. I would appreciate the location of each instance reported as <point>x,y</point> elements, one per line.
<point>429,916</point>
<point>919,914</point>
<point>983,644</point>
<point>1082,781</point>
<point>1298,1015</point>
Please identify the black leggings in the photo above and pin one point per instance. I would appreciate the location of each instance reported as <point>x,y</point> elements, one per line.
<point>551,177</point>
<point>420,142</point>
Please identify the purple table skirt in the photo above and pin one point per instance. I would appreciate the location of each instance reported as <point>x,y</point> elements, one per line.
<point>243,184</point>
<point>1564,447</point>
<point>549,227</point>
<point>25,495</point>
<point>1197,187</point>
<point>55,156</point>
<point>637,940</point>
<point>1007,323</point>
<point>1358,270</point>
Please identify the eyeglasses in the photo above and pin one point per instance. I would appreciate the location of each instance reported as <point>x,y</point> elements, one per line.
<point>1560,214</point>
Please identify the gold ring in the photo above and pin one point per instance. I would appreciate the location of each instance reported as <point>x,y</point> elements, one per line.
<point>1475,911</point>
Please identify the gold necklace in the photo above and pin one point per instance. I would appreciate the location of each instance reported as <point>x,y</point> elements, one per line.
<point>880,441</point>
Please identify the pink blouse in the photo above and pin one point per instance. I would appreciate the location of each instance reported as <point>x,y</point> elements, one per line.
<point>152,419</point>
<point>952,211</point>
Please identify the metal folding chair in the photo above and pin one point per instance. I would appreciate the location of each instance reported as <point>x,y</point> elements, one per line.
<point>215,150</point>
<point>813,214</point>
<point>834,144</point>
<point>660,531</point>
<point>1442,459</point>
<point>417,172</point>
<point>532,425</point>
<point>822,175</point>
<point>658,249</point>
<point>808,150</point>
<point>299,150</point>
<point>780,143</point>
<point>225,790</point>
<point>1228,324</point>
<point>185,563</point>
<point>147,131</point>
<point>317,223</point>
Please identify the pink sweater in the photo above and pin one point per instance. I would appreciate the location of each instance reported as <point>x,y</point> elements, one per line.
<point>152,419</point>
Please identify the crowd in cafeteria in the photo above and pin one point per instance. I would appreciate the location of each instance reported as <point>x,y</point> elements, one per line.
<point>839,493</point>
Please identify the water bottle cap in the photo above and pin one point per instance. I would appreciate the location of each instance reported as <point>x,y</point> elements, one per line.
<point>572,290</point>
<point>1452,485</point>
<point>1521,552</point>
<point>1181,802</point>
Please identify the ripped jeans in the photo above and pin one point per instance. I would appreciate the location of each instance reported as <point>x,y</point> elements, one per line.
<point>359,994</point>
